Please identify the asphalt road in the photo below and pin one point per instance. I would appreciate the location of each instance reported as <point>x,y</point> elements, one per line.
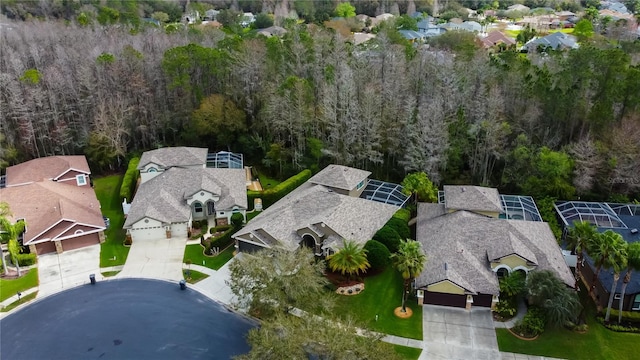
<point>124,319</point>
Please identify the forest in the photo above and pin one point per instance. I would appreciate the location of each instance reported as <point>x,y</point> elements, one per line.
<point>559,124</point>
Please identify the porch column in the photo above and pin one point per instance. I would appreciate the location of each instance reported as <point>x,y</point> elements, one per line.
<point>469,302</point>
<point>420,294</point>
<point>101,237</point>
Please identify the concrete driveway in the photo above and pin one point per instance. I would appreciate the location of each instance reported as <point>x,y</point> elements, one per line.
<point>58,272</point>
<point>155,259</point>
<point>452,333</point>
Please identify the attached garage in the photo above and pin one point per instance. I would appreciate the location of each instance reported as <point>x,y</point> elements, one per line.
<point>246,247</point>
<point>484,300</point>
<point>45,247</point>
<point>444,299</point>
<point>148,229</point>
<point>80,242</point>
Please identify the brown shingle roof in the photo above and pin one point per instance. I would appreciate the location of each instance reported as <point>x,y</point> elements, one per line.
<point>45,203</point>
<point>47,168</point>
<point>496,37</point>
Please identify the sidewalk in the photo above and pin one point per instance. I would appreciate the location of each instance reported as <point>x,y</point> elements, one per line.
<point>14,298</point>
<point>522,310</point>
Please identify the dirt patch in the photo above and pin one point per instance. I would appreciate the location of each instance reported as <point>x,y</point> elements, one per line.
<point>403,315</point>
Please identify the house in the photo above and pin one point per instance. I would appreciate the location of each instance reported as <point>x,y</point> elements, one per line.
<point>623,219</point>
<point>178,188</point>
<point>337,203</point>
<point>565,15</point>
<point>429,28</point>
<point>53,195</point>
<point>555,41</point>
<point>473,237</point>
<point>519,7</point>
<point>495,38</point>
<point>272,31</point>
<point>211,14</point>
<point>247,19</point>
<point>413,36</point>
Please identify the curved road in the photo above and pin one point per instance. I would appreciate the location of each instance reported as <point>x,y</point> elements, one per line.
<point>124,319</point>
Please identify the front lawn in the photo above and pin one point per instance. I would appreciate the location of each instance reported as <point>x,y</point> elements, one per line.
<point>24,299</point>
<point>382,294</point>
<point>10,287</point>
<point>266,181</point>
<point>112,251</point>
<point>194,276</point>
<point>407,353</point>
<point>195,253</point>
<point>597,343</point>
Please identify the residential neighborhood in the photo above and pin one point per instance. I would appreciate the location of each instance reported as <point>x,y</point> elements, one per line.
<point>371,179</point>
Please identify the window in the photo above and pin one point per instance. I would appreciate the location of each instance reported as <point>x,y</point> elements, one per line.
<point>152,169</point>
<point>78,232</point>
<point>197,207</point>
<point>617,296</point>
<point>502,272</point>
<point>81,180</point>
<point>361,184</point>
<point>636,303</point>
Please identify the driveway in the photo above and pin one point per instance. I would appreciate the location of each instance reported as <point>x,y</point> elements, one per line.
<point>452,333</point>
<point>58,272</point>
<point>155,259</point>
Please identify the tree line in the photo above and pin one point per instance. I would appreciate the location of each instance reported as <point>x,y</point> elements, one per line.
<point>558,124</point>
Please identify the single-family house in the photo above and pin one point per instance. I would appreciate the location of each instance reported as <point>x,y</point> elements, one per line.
<point>474,236</point>
<point>565,15</point>
<point>211,14</point>
<point>413,36</point>
<point>519,7</point>
<point>272,31</point>
<point>623,219</point>
<point>555,41</point>
<point>496,38</point>
<point>53,195</point>
<point>177,188</point>
<point>337,203</point>
<point>429,28</point>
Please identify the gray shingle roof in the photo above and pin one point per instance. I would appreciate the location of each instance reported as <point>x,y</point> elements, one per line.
<point>174,156</point>
<point>313,206</point>
<point>472,198</point>
<point>164,197</point>
<point>466,242</point>
<point>339,177</point>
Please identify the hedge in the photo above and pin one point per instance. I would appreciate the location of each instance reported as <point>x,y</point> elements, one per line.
<point>403,214</point>
<point>388,237</point>
<point>130,180</point>
<point>377,254</point>
<point>631,316</point>
<point>400,226</point>
<point>26,259</point>
<point>221,241</point>
<point>270,196</point>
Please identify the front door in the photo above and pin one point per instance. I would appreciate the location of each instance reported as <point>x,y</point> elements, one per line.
<point>211,208</point>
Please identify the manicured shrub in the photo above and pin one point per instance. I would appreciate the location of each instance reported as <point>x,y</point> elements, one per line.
<point>130,180</point>
<point>270,196</point>
<point>400,226</point>
<point>403,214</point>
<point>221,241</point>
<point>389,238</point>
<point>377,254</point>
<point>630,316</point>
<point>532,324</point>
<point>26,259</point>
<point>237,219</point>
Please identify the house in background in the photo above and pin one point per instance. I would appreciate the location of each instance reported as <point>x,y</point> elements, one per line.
<point>337,203</point>
<point>473,237</point>
<point>554,41</point>
<point>180,185</point>
<point>53,195</point>
<point>495,38</point>
<point>623,219</point>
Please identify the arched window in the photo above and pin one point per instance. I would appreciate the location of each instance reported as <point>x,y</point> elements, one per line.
<point>152,169</point>
<point>502,272</point>
<point>78,232</point>
<point>308,241</point>
<point>197,207</point>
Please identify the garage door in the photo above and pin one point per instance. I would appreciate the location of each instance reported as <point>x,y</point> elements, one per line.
<point>148,233</point>
<point>79,242</point>
<point>45,247</point>
<point>436,298</point>
<point>482,300</point>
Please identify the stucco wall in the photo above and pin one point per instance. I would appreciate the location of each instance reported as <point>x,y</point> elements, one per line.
<point>446,287</point>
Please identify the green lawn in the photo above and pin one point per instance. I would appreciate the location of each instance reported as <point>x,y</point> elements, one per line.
<point>253,214</point>
<point>382,294</point>
<point>406,352</point>
<point>110,273</point>
<point>267,182</point>
<point>8,288</point>
<point>22,300</point>
<point>108,191</point>
<point>195,276</point>
<point>195,253</point>
<point>597,343</point>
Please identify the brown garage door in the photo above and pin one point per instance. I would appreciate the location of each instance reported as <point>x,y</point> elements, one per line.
<point>482,300</point>
<point>45,247</point>
<point>436,298</point>
<point>79,242</point>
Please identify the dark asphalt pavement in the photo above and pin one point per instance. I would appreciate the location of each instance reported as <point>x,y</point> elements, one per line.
<point>124,319</point>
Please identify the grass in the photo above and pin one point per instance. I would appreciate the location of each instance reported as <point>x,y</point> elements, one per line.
<point>195,253</point>
<point>253,214</point>
<point>112,251</point>
<point>514,33</point>
<point>597,343</point>
<point>110,273</point>
<point>22,300</point>
<point>266,181</point>
<point>406,352</point>
<point>382,294</point>
<point>9,287</point>
<point>195,276</point>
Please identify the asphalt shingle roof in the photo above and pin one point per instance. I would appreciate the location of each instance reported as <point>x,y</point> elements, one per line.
<point>45,168</point>
<point>174,156</point>
<point>164,197</point>
<point>339,177</point>
<point>472,198</point>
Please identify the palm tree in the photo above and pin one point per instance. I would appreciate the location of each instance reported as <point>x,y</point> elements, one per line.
<point>633,263</point>
<point>350,260</point>
<point>546,291</point>
<point>600,249</point>
<point>11,232</point>
<point>580,235</point>
<point>409,261</point>
<point>617,261</point>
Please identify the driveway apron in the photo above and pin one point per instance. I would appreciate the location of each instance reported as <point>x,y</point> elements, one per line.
<point>156,259</point>
<point>452,333</point>
<point>59,272</point>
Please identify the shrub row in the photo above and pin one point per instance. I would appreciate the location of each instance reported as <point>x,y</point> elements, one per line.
<point>377,254</point>
<point>631,316</point>
<point>403,214</point>
<point>221,241</point>
<point>618,328</point>
<point>26,259</point>
<point>130,179</point>
<point>270,196</point>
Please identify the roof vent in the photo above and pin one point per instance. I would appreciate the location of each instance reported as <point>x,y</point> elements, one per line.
<point>463,189</point>
<point>446,266</point>
<point>634,231</point>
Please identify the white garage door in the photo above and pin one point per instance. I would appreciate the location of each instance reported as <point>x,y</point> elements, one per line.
<point>148,233</point>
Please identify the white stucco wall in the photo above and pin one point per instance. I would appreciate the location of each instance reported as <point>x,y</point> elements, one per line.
<point>179,230</point>
<point>146,229</point>
<point>203,197</point>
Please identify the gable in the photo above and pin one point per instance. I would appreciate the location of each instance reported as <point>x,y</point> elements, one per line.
<point>446,286</point>
<point>77,230</point>
<point>512,261</point>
